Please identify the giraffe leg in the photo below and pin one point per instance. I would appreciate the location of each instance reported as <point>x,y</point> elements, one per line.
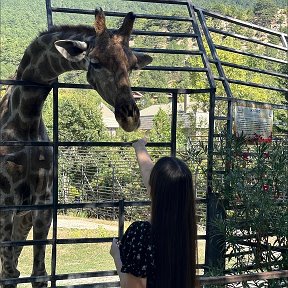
<point>21,227</point>
<point>41,223</point>
<point>8,267</point>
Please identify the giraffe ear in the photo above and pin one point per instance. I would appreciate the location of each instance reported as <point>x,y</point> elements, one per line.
<point>72,50</point>
<point>142,60</point>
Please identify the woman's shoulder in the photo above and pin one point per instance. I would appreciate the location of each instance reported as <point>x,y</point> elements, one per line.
<point>140,225</point>
<point>139,230</point>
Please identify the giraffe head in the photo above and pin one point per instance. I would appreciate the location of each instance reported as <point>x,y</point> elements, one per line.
<point>109,60</point>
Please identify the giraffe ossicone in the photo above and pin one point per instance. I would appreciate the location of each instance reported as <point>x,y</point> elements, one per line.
<point>26,172</point>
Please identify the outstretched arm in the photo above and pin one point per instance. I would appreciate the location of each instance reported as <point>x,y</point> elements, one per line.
<point>144,160</point>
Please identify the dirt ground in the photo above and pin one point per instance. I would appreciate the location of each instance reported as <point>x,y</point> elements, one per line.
<point>85,223</point>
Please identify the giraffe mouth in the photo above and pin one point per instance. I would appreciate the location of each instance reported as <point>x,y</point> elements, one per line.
<point>128,117</point>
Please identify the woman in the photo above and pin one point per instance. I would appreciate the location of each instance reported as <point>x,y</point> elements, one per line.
<point>160,253</point>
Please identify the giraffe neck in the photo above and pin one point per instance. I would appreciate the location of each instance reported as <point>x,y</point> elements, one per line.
<point>42,63</point>
<point>21,107</point>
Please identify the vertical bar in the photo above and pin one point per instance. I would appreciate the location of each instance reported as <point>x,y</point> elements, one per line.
<point>215,241</point>
<point>121,218</point>
<point>55,184</point>
<point>174,124</point>
<point>55,161</point>
<point>219,69</point>
<point>283,40</point>
<point>49,14</point>
<point>205,60</point>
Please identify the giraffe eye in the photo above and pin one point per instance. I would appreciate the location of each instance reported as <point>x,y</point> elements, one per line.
<point>96,65</point>
<point>94,62</point>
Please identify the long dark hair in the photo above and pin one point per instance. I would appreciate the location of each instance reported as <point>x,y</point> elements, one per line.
<point>173,224</point>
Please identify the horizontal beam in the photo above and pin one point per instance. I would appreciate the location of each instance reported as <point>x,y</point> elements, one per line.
<point>164,34</point>
<point>275,106</point>
<point>224,48</point>
<point>240,22</point>
<point>238,36</point>
<point>167,51</point>
<point>121,14</point>
<point>59,206</point>
<point>212,280</point>
<point>250,84</point>
<point>80,143</point>
<point>245,277</point>
<point>173,2</point>
<point>87,86</point>
<point>247,68</point>
<point>176,69</point>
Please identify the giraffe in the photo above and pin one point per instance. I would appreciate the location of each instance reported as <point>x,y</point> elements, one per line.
<point>26,171</point>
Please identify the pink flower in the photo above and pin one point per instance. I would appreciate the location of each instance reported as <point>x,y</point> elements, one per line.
<point>245,156</point>
<point>265,187</point>
<point>266,155</point>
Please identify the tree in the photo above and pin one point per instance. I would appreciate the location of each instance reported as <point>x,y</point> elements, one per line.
<point>80,118</point>
<point>265,11</point>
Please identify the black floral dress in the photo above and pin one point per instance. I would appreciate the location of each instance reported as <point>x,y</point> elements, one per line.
<point>137,252</point>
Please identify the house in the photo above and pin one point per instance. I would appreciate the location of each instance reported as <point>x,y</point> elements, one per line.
<point>108,118</point>
<point>185,115</point>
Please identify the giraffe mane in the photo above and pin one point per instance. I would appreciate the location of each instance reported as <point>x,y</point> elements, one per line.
<point>71,29</point>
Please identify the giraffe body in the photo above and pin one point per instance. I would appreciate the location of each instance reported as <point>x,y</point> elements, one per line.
<point>26,171</point>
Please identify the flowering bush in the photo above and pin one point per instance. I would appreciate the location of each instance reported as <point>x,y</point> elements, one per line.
<point>254,189</point>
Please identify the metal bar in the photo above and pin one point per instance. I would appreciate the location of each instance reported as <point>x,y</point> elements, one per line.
<point>224,48</point>
<point>276,106</point>
<point>239,36</point>
<point>55,184</point>
<point>252,84</point>
<point>283,39</point>
<point>87,86</point>
<point>219,69</point>
<point>70,241</point>
<point>85,144</point>
<point>173,136</point>
<point>59,277</point>
<point>205,60</point>
<point>120,14</point>
<point>49,14</point>
<point>82,205</point>
<point>174,2</point>
<point>167,51</point>
<point>94,285</point>
<point>165,34</point>
<point>241,278</point>
<point>23,83</point>
<point>167,68</point>
<point>239,22</point>
<point>272,73</point>
<point>121,219</point>
<point>203,280</point>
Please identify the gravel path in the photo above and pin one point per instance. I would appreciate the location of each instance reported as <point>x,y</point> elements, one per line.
<point>83,223</point>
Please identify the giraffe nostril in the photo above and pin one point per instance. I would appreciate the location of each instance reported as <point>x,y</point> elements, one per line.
<point>130,112</point>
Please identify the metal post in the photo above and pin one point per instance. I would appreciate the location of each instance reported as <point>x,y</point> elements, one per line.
<point>49,14</point>
<point>55,184</point>
<point>121,218</point>
<point>174,124</point>
<point>215,241</point>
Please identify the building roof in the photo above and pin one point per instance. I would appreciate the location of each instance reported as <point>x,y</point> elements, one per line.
<point>154,109</point>
<point>108,117</point>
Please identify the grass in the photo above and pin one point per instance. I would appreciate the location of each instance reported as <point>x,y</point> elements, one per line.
<point>76,258</point>
<point>72,258</point>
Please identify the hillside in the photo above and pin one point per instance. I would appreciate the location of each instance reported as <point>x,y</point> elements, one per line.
<point>19,29</point>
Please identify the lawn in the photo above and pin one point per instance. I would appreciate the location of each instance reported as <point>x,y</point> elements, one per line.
<point>75,258</point>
